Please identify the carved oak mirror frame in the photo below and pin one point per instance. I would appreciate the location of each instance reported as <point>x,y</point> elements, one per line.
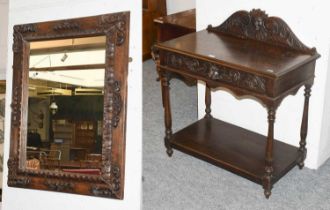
<point>110,183</point>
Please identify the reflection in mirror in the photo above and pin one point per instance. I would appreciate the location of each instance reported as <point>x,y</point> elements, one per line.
<point>65,107</point>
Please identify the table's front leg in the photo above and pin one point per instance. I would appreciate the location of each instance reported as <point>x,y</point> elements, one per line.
<point>165,82</point>
<point>304,127</point>
<point>267,179</point>
<point>207,102</point>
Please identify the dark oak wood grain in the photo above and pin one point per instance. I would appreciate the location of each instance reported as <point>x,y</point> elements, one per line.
<point>208,102</point>
<point>175,25</point>
<point>234,148</point>
<point>151,9</point>
<point>304,127</point>
<point>110,184</point>
<point>251,55</point>
<point>244,54</point>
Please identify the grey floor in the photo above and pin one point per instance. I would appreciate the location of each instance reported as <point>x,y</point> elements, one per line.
<point>186,183</point>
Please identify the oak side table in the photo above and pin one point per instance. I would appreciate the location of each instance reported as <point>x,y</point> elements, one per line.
<point>250,54</point>
<point>175,25</point>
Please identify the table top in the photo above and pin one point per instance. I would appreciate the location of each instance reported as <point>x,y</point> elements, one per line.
<point>185,19</point>
<point>244,54</point>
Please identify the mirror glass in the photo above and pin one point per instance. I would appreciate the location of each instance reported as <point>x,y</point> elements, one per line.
<point>65,105</point>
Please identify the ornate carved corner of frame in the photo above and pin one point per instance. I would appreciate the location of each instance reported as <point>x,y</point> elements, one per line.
<point>111,185</point>
<point>13,178</point>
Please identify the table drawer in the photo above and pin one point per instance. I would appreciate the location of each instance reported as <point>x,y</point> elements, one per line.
<point>214,72</point>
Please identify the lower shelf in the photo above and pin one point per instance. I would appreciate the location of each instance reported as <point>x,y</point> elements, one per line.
<point>234,148</point>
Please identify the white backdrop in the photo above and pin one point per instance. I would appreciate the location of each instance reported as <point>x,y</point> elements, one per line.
<point>307,20</point>
<point>174,6</point>
<point>21,11</point>
<point>3,37</point>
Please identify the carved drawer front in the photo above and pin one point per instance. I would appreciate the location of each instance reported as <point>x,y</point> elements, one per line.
<point>218,73</point>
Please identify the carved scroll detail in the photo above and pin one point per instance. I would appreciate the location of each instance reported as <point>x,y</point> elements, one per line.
<point>216,72</point>
<point>115,179</point>
<point>115,25</point>
<point>15,105</point>
<point>112,110</point>
<point>117,103</point>
<point>113,184</point>
<point>101,191</point>
<point>59,185</point>
<point>27,28</point>
<point>19,30</point>
<point>12,170</point>
<point>66,25</point>
<point>17,42</point>
<point>258,26</point>
<point>112,99</point>
<point>13,178</point>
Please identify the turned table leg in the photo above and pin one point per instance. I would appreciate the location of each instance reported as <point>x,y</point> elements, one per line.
<point>167,112</point>
<point>267,179</point>
<point>304,128</point>
<point>162,86</point>
<point>207,101</point>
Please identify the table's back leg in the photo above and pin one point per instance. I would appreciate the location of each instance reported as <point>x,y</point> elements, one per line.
<point>267,179</point>
<point>207,101</point>
<point>304,127</point>
<point>167,111</point>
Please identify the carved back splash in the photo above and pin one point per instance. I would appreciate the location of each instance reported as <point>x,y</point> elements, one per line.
<point>256,25</point>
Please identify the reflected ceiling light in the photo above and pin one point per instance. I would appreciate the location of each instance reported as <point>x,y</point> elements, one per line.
<point>53,107</point>
<point>64,57</point>
<point>34,75</point>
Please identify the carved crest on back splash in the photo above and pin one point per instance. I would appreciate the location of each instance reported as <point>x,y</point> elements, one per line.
<point>257,25</point>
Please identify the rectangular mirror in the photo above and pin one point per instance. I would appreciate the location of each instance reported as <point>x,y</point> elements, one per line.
<point>65,105</point>
<point>69,105</point>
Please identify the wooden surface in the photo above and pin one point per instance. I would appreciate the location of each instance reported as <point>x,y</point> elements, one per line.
<point>185,19</point>
<point>2,86</point>
<point>85,138</point>
<point>151,10</point>
<point>175,25</point>
<point>254,56</point>
<point>245,54</point>
<point>233,148</point>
